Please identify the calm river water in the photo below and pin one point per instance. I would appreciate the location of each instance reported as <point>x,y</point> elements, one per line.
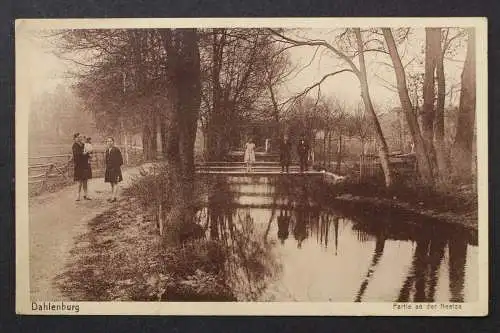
<point>285,242</point>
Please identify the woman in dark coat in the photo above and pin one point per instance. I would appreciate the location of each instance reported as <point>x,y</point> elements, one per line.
<point>114,161</point>
<point>82,171</point>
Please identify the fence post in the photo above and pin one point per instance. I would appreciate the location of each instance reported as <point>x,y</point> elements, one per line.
<point>46,177</point>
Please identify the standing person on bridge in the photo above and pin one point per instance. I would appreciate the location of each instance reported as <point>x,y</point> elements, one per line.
<point>114,161</point>
<point>82,172</point>
<point>285,154</point>
<point>249,154</point>
<point>303,151</point>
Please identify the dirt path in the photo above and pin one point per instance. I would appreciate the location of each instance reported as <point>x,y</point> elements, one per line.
<point>55,220</point>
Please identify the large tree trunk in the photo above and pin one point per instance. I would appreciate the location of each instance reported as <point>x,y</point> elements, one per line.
<point>424,164</point>
<point>146,140</point>
<point>432,54</point>
<point>140,79</point>
<point>149,133</point>
<point>216,120</point>
<point>163,134</point>
<point>462,148</point>
<point>442,159</point>
<point>183,66</point>
<point>365,94</point>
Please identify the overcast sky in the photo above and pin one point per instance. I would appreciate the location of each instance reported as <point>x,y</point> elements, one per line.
<point>345,86</point>
<point>46,70</point>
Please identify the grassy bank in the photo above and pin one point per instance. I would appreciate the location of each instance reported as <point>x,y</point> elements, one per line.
<point>120,258</point>
<point>457,205</point>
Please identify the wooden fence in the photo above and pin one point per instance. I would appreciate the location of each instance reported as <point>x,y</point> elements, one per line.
<point>403,165</point>
<point>46,173</point>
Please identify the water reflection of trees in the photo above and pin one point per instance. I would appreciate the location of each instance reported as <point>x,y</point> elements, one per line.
<point>457,250</point>
<point>380,239</point>
<point>430,247</point>
<point>246,262</point>
<point>298,217</point>
<point>423,275</point>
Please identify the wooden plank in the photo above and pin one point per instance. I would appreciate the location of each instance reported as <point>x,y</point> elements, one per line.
<point>37,176</point>
<point>260,173</point>
<point>60,171</point>
<point>48,156</point>
<point>39,166</point>
<point>235,163</point>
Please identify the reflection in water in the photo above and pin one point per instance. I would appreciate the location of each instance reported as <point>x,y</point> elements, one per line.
<point>457,255</point>
<point>283,225</point>
<point>300,229</point>
<point>377,254</point>
<point>248,262</point>
<point>423,275</point>
<point>369,259</point>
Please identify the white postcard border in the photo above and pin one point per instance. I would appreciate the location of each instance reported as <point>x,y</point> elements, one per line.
<point>23,302</point>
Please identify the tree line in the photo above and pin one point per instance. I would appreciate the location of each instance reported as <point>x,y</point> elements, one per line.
<point>170,80</point>
<point>425,124</point>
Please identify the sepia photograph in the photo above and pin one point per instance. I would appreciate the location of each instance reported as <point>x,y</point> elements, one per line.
<point>257,166</point>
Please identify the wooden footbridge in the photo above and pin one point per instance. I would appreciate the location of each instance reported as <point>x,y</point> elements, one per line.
<point>260,169</point>
<point>56,170</point>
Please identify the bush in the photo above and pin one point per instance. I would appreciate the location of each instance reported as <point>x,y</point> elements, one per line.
<point>150,186</point>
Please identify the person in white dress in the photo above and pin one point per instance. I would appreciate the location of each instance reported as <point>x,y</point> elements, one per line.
<point>249,154</point>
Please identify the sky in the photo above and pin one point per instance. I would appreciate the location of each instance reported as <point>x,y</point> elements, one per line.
<point>46,70</point>
<point>345,86</point>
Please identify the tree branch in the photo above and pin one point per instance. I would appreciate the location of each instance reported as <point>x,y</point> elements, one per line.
<point>317,84</point>
<point>319,42</point>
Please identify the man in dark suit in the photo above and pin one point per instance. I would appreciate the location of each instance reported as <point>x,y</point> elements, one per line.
<point>303,152</point>
<point>285,152</point>
<point>114,161</point>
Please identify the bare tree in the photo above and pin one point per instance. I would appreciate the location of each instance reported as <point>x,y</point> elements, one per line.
<point>432,54</point>
<point>439,122</point>
<point>360,127</point>
<point>118,76</point>
<point>462,148</point>
<point>234,66</point>
<point>360,73</point>
<point>277,71</point>
<point>184,91</point>
<point>425,166</point>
